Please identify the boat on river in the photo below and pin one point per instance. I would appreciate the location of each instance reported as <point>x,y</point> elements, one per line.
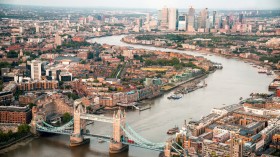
<point>175,97</point>
<point>100,140</point>
<point>262,70</point>
<point>173,131</point>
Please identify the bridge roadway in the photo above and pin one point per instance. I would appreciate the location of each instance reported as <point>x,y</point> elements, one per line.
<point>103,137</point>
<point>98,118</point>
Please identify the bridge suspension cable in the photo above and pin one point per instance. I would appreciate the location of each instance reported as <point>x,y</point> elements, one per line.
<point>140,137</point>
<point>137,140</point>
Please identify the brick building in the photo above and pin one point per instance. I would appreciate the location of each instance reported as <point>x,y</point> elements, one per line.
<point>6,98</point>
<point>38,85</point>
<point>14,114</point>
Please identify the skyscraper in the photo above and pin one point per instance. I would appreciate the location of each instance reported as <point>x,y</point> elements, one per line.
<point>182,23</point>
<point>204,15</point>
<point>172,19</point>
<point>139,22</point>
<point>240,18</point>
<point>164,19</point>
<point>214,18</point>
<point>159,17</point>
<point>191,19</point>
<point>36,70</point>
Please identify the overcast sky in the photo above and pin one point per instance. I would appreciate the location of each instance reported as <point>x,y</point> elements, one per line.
<point>211,4</point>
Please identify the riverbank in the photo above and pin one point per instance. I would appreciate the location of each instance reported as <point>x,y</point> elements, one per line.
<point>16,144</point>
<point>199,77</point>
<point>205,52</point>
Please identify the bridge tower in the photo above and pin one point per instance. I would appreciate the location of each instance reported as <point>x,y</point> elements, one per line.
<point>34,121</point>
<point>116,144</point>
<point>167,149</point>
<point>77,138</point>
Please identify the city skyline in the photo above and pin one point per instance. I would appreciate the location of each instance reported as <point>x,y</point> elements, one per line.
<point>213,4</point>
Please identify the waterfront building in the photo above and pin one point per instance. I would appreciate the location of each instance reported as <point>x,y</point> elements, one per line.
<point>36,72</point>
<point>15,114</point>
<point>172,19</point>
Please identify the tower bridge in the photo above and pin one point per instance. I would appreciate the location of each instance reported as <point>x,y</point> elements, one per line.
<point>122,134</point>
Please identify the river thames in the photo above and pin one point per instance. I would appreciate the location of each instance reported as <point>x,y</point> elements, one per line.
<point>225,87</point>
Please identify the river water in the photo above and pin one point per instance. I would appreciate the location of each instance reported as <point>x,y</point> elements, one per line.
<point>225,87</point>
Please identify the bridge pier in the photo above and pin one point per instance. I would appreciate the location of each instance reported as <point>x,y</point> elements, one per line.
<point>116,145</point>
<point>78,140</point>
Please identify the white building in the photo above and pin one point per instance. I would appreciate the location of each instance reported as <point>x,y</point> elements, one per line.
<point>182,24</point>
<point>36,70</point>
<point>172,19</point>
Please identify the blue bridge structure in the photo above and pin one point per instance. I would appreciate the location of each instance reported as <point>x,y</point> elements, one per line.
<point>123,135</point>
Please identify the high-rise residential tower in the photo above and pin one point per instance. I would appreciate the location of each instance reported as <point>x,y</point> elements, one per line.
<point>36,72</point>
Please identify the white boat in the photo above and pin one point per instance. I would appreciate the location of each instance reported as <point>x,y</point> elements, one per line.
<point>100,140</point>
<point>262,70</point>
<point>175,97</point>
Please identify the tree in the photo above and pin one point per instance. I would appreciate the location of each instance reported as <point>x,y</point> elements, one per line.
<point>31,105</point>
<point>24,128</point>
<point>73,96</point>
<point>12,54</point>
<point>66,117</point>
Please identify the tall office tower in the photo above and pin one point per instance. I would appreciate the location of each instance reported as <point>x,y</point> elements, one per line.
<point>191,19</point>
<point>148,18</point>
<point>182,23</point>
<point>36,70</point>
<point>164,19</point>
<point>236,145</point>
<point>57,39</point>
<point>204,15</point>
<point>139,22</point>
<point>37,28</point>
<point>227,20</point>
<point>172,19</point>
<point>219,21</point>
<point>159,17</point>
<point>214,18</point>
<point>240,18</point>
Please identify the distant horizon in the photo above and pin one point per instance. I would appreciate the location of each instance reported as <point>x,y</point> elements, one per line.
<point>247,5</point>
